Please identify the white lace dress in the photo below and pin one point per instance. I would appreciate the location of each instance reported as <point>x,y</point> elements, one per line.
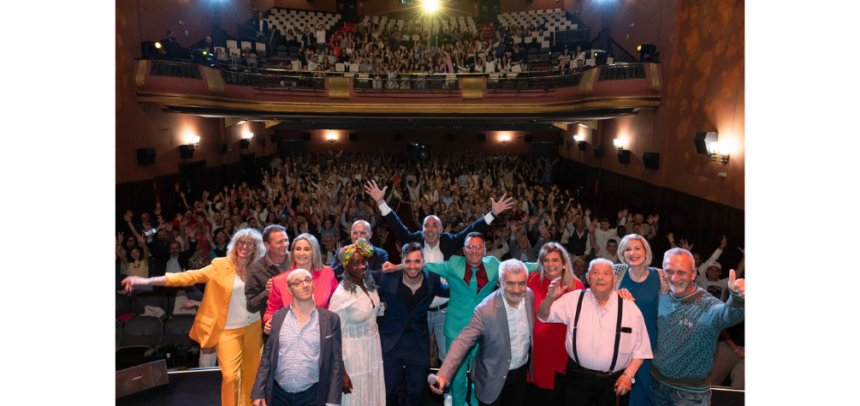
<point>362,351</point>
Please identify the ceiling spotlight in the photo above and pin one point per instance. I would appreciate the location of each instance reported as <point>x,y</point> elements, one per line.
<point>430,6</point>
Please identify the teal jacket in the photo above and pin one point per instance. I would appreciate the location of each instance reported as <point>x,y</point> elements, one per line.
<point>465,298</point>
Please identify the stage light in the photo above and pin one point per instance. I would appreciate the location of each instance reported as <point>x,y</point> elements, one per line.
<point>331,137</point>
<point>248,136</point>
<point>430,6</point>
<point>504,138</point>
<point>158,45</point>
<point>638,48</point>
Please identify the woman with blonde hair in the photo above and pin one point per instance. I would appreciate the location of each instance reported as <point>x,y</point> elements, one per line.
<point>644,283</point>
<point>548,351</point>
<point>223,318</point>
<point>306,255</point>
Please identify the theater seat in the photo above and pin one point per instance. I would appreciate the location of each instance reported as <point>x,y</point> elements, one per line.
<point>118,333</point>
<point>123,304</point>
<point>156,299</point>
<point>142,330</point>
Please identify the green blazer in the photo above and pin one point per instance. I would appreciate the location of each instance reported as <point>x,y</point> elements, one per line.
<point>465,297</point>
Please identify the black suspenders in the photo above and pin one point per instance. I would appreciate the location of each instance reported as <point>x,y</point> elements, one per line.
<point>617,331</point>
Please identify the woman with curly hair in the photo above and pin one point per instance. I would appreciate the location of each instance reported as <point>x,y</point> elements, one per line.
<point>357,303</point>
<point>223,318</point>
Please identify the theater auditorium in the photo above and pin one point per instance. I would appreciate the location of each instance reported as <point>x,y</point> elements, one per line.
<point>429,202</point>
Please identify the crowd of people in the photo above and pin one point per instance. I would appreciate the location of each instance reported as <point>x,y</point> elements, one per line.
<point>295,267</point>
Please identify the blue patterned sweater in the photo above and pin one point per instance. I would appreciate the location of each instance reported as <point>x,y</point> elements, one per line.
<point>687,332</point>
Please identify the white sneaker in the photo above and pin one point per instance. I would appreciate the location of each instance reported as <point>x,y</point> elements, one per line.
<point>449,400</point>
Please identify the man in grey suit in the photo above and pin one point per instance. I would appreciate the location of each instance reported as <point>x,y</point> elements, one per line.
<point>301,363</point>
<point>521,248</point>
<point>503,324</point>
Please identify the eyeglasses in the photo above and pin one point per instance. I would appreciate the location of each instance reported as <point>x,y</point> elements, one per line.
<point>302,282</point>
<point>474,247</point>
<point>244,244</point>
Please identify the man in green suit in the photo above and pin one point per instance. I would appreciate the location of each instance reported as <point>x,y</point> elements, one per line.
<point>470,279</point>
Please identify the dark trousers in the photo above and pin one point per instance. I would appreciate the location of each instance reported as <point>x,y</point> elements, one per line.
<point>584,387</point>
<point>541,396</point>
<point>406,353</point>
<point>514,390</point>
<point>280,397</point>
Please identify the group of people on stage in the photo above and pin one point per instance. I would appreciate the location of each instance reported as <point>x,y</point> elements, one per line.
<point>290,330</point>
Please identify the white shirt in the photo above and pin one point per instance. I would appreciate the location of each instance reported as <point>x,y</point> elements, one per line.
<point>237,314</point>
<point>703,268</point>
<point>173,265</point>
<point>519,332</point>
<point>595,337</point>
<point>604,253</point>
<point>434,254</point>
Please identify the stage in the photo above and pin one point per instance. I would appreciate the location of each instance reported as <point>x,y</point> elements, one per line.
<point>202,386</point>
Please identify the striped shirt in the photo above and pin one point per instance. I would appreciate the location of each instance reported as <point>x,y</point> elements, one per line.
<point>299,353</point>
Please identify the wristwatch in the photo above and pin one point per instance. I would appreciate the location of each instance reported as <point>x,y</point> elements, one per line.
<point>632,379</point>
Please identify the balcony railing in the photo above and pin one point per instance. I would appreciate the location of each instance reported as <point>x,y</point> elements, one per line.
<point>525,82</point>
<point>296,80</point>
<point>385,82</point>
<point>174,69</point>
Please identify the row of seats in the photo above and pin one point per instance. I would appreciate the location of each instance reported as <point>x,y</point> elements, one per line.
<point>452,22</point>
<point>139,338</point>
<point>556,17</point>
<point>286,19</point>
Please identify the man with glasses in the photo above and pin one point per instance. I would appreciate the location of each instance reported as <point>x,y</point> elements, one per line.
<point>606,339</point>
<point>470,279</point>
<point>261,272</point>
<point>302,364</point>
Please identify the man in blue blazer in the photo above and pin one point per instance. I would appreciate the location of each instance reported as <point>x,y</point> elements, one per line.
<point>503,325</point>
<point>310,369</point>
<point>403,333</point>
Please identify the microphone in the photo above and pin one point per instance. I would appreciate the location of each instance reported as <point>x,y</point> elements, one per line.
<point>431,379</point>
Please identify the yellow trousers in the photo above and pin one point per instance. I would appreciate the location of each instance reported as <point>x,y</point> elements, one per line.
<point>239,352</point>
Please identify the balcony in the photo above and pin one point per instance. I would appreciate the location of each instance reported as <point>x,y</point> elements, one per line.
<point>282,94</point>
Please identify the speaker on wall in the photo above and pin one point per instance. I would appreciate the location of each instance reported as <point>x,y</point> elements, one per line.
<point>145,156</point>
<point>186,151</point>
<point>398,137</point>
<point>353,136</point>
<point>482,137</point>
<point>703,139</point>
<point>624,156</point>
<point>221,147</point>
<point>581,145</point>
<point>245,143</point>
<point>598,151</point>
<point>306,136</point>
<point>529,138</point>
<point>141,377</point>
<point>652,160</point>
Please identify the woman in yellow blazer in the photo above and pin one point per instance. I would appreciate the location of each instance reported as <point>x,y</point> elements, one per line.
<point>223,318</point>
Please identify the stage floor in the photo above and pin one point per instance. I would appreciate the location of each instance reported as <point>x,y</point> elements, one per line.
<point>202,387</point>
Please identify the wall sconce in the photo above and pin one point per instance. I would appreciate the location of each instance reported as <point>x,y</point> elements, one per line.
<point>248,135</point>
<point>717,150</point>
<point>619,144</point>
<point>504,138</point>
<point>331,137</point>
<point>193,140</point>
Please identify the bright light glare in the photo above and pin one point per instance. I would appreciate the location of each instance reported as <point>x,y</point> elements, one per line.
<point>248,135</point>
<point>430,6</point>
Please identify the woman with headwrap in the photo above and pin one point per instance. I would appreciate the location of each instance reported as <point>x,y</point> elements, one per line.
<point>356,301</point>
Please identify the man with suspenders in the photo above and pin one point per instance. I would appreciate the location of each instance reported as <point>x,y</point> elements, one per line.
<point>606,338</point>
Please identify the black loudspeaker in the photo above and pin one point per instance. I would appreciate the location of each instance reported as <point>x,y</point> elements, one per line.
<point>599,57</point>
<point>272,139</point>
<point>529,138</point>
<point>624,156</point>
<point>581,145</point>
<point>450,137</point>
<point>652,160</point>
<point>145,156</point>
<point>353,136</point>
<point>398,137</point>
<point>221,147</point>
<point>244,143</point>
<point>306,136</point>
<point>186,151</point>
<point>261,140</point>
<point>703,139</point>
<point>598,151</point>
<point>646,52</point>
<point>482,137</point>
<point>141,377</point>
